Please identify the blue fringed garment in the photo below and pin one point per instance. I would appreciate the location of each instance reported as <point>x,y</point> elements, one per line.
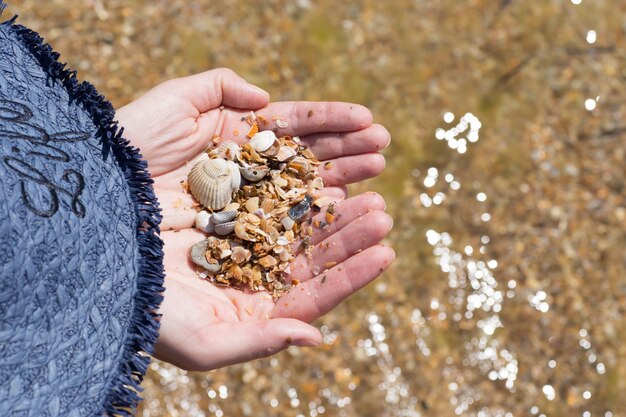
<point>80,258</point>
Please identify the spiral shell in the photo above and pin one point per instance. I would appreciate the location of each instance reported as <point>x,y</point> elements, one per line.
<point>213,181</point>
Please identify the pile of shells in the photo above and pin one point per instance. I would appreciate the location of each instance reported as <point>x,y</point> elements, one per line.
<point>256,200</point>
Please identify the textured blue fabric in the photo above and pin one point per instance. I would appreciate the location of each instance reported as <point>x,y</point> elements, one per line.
<point>80,262</point>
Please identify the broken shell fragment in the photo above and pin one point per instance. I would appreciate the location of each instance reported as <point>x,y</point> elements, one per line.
<point>285,256</point>
<point>232,207</point>
<point>299,164</point>
<point>300,210</point>
<point>240,231</point>
<point>252,204</point>
<point>198,256</point>
<point>323,201</point>
<point>287,223</point>
<point>240,254</point>
<point>225,253</point>
<point>268,261</point>
<point>212,182</point>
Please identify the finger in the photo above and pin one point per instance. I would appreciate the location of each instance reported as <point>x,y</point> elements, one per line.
<point>256,339</point>
<point>357,236</point>
<point>216,336</point>
<point>178,242</point>
<point>177,209</point>
<point>211,89</point>
<point>338,192</point>
<point>305,117</point>
<point>346,212</point>
<point>226,344</point>
<point>350,169</point>
<point>316,297</point>
<point>332,145</point>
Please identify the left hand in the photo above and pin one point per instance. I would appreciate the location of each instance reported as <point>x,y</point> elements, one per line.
<point>175,121</point>
<point>172,124</point>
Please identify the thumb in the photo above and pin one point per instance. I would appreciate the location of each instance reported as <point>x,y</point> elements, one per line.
<point>250,340</point>
<point>220,87</point>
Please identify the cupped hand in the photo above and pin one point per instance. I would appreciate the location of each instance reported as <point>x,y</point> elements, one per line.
<point>204,326</point>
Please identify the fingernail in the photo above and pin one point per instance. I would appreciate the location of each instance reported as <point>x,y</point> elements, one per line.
<point>305,342</point>
<point>259,90</point>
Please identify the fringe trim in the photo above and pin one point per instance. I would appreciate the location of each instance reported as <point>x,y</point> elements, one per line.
<point>122,398</point>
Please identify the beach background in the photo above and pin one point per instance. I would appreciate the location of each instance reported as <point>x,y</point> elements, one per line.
<point>505,179</point>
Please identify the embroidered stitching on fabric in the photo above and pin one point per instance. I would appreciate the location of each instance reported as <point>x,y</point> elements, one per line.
<point>19,114</point>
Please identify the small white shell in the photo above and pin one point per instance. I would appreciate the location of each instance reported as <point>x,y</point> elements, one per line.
<point>254,173</point>
<point>212,182</point>
<point>299,164</point>
<point>203,221</point>
<point>323,201</point>
<point>236,175</point>
<point>285,153</point>
<point>262,141</point>
<point>226,150</point>
<point>224,216</point>
<point>224,229</point>
<point>225,254</point>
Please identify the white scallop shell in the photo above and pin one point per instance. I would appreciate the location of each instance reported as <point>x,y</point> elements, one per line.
<point>212,182</point>
<point>224,229</point>
<point>262,141</point>
<point>224,216</point>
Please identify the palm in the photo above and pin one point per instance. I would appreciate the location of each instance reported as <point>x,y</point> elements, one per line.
<point>212,326</point>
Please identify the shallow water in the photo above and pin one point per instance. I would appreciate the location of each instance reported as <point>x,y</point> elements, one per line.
<point>508,295</point>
